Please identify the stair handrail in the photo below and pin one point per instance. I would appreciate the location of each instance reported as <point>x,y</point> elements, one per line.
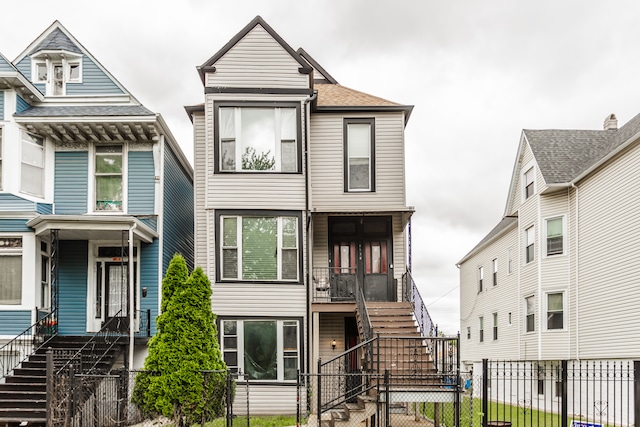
<point>361,306</point>
<point>19,348</point>
<point>412,295</point>
<point>107,336</point>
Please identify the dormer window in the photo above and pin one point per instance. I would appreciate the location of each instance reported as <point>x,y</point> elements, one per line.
<point>55,70</point>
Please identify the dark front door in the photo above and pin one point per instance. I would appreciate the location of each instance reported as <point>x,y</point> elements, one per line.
<point>361,250</point>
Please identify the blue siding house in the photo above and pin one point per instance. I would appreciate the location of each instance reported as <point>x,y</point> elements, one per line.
<point>95,197</point>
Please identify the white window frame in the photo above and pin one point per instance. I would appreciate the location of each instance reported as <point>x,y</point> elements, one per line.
<point>279,245</point>
<point>527,313</point>
<point>15,252</point>
<point>529,167</point>
<point>494,275</point>
<point>510,261</point>
<point>564,310</point>
<point>480,279</point>
<point>29,141</point>
<point>240,348</point>
<point>564,236</point>
<point>49,60</point>
<point>237,139</point>
<point>370,156</point>
<point>481,329</point>
<point>495,326</point>
<point>529,241</point>
<point>125,180</point>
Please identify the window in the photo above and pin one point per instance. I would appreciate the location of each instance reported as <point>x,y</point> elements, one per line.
<point>510,261</point>
<point>263,349</point>
<point>529,180</point>
<point>32,171</point>
<point>468,332</point>
<point>555,241</point>
<point>495,326</point>
<point>530,314</point>
<point>359,155</point>
<point>494,264</point>
<point>480,278</point>
<point>109,163</point>
<point>10,270</point>
<point>555,312</point>
<point>56,71</point>
<point>481,332</point>
<point>529,243</point>
<point>255,247</point>
<point>258,139</point>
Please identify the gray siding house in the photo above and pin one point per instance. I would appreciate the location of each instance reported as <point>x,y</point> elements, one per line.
<point>299,206</point>
<point>95,198</point>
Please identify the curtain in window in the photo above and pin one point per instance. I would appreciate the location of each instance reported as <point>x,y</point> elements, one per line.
<point>117,289</point>
<point>10,279</point>
<point>260,350</point>
<point>259,248</point>
<point>109,178</point>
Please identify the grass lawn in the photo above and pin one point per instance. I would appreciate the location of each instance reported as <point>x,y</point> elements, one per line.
<point>257,421</point>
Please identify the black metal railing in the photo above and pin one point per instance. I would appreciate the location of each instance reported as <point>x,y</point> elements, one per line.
<point>334,284</point>
<point>88,359</point>
<point>411,294</point>
<point>144,325</point>
<point>16,351</point>
<point>363,315</point>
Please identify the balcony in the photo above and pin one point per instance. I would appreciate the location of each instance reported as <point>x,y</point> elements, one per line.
<point>334,284</point>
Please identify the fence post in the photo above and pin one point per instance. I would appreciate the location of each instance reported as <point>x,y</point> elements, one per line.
<point>319,386</point>
<point>387,399</point>
<point>49,403</point>
<point>636,392</point>
<point>71,393</point>
<point>298,398</point>
<point>485,391</point>
<point>458,386</point>
<point>246,380</point>
<point>228,396</point>
<point>565,394</point>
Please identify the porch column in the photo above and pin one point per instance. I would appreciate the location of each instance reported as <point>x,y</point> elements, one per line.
<point>316,340</point>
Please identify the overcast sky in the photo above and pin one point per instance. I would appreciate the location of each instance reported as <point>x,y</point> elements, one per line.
<point>477,72</point>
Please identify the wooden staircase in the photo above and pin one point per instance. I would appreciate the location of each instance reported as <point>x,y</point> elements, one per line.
<point>23,395</point>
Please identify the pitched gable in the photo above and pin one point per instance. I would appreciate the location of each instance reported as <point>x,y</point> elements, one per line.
<point>257,57</point>
<point>5,65</point>
<point>56,40</point>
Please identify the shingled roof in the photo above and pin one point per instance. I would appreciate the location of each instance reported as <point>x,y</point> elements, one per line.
<point>334,95</point>
<point>93,111</point>
<point>57,40</point>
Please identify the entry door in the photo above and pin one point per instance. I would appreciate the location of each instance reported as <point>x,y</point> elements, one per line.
<point>375,270</point>
<point>116,289</point>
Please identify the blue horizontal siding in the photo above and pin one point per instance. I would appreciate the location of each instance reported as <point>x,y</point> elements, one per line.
<point>72,279</point>
<point>14,322</point>
<point>21,104</point>
<point>4,64</point>
<point>12,203</point>
<point>24,66</point>
<point>14,225</point>
<point>44,208</point>
<point>71,184</point>
<point>178,211</point>
<point>141,183</point>
<point>149,259</point>
<point>150,222</point>
<point>1,105</point>
<point>94,81</point>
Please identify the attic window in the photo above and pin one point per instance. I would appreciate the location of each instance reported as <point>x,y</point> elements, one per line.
<point>55,70</point>
<point>529,180</point>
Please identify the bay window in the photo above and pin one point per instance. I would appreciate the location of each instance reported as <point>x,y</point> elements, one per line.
<point>11,270</point>
<point>262,349</point>
<point>359,155</point>
<point>259,247</point>
<point>32,164</point>
<point>257,138</point>
<point>108,177</point>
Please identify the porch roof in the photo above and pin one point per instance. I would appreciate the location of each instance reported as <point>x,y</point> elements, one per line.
<point>91,227</point>
<point>405,211</point>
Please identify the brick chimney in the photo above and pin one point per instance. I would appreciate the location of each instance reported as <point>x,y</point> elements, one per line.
<point>611,122</point>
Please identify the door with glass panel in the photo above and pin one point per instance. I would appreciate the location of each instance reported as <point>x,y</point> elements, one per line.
<point>111,302</point>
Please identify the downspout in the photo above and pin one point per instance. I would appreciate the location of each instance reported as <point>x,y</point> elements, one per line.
<point>307,119</point>
<point>131,299</point>
<point>577,275</point>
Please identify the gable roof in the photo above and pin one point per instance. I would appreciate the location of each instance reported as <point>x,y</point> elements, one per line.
<point>209,65</point>
<point>57,40</point>
<point>324,76</point>
<point>504,225</point>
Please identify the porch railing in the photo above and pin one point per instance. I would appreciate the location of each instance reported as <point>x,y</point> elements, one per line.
<point>334,284</point>
<point>144,330</point>
<point>411,294</point>
<point>16,351</point>
<point>87,360</point>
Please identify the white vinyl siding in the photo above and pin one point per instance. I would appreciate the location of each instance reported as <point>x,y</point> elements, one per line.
<point>257,61</point>
<point>327,172</point>
<point>199,183</point>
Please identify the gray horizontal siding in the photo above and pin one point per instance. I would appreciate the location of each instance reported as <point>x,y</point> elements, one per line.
<point>4,65</point>
<point>72,316</point>
<point>94,81</point>
<point>71,182</point>
<point>14,322</point>
<point>44,208</point>
<point>141,183</point>
<point>14,225</point>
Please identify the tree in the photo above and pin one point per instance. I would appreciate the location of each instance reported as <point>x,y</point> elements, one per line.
<point>174,279</point>
<point>186,345</point>
<point>251,160</point>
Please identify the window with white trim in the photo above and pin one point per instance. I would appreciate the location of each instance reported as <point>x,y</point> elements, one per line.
<point>359,154</point>
<point>259,247</point>
<point>555,236</point>
<point>480,278</point>
<point>530,313</point>
<point>555,310</point>
<point>495,326</point>
<point>258,139</point>
<point>494,265</point>
<point>529,183</point>
<point>10,270</point>
<point>529,244</point>
<point>108,178</point>
<point>481,331</point>
<point>263,349</point>
<point>56,71</point>
<point>32,164</point>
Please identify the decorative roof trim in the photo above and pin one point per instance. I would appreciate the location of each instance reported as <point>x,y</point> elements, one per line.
<point>407,109</point>
<point>260,90</point>
<point>328,78</point>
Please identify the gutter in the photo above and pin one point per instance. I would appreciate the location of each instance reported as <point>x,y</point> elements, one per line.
<point>577,246</point>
